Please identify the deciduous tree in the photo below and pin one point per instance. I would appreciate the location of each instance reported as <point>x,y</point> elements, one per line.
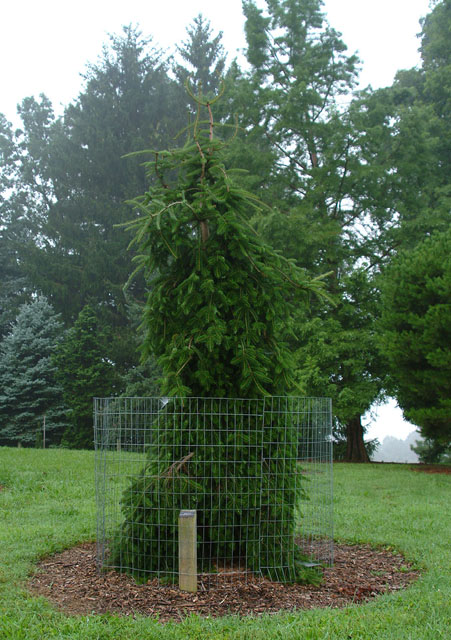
<point>300,76</point>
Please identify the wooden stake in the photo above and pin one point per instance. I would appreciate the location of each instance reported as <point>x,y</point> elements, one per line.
<point>188,551</point>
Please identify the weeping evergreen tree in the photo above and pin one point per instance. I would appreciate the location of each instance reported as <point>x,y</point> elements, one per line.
<point>219,301</point>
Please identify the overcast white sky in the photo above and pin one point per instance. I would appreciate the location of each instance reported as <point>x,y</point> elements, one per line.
<point>46,44</point>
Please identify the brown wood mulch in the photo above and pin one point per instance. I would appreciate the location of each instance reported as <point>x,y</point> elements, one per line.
<point>71,582</point>
<point>432,468</point>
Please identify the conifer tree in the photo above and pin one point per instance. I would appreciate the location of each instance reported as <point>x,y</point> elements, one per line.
<point>84,372</point>
<point>204,56</point>
<point>214,319</point>
<point>415,335</point>
<point>144,378</point>
<point>68,181</point>
<point>13,286</point>
<point>28,385</point>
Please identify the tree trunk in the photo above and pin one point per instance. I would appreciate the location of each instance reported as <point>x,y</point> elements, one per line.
<point>355,449</point>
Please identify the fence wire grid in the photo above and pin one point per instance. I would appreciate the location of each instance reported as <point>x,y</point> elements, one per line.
<point>258,472</point>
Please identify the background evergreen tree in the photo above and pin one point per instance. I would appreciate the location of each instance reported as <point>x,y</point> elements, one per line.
<point>431,451</point>
<point>84,372</point>
<point>69,181</point>
<point>340,358</point>
<point>29,389</point>
<point>204,56</point>
<point>416,334</point>
<point>214,318</point>
<point>352,183</point>
<point>144,378</point>
<point>404,134</point>
<point>13,286</point>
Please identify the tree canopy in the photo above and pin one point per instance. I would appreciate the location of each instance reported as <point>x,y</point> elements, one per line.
<point>219,295</point>
<point>350,179</point>
<point>416,338</point>
<point>323,193</point>
<point>84,372</point>
<point>69,181</point>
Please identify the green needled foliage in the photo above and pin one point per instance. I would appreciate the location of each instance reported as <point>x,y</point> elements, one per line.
<point>416,334</point>
<point>218,303</point>
<point>29,389</point>
<point>219,295</point>
<point>84,372</point>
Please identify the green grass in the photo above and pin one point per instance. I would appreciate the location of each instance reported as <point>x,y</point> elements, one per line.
<point>48,504</point>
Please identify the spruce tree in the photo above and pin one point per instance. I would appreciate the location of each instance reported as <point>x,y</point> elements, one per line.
<point>85,372</point>
<point>204,56</point>
<point>14,290</point>
<point>144,378</point>
<point>68,182</point>
<point>214,319</point>
<point>29,389</point>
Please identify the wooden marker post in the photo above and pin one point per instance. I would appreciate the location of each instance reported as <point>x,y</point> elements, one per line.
<point>188,551</point>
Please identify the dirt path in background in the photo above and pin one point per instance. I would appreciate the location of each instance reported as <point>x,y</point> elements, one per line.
<point>71,582</point>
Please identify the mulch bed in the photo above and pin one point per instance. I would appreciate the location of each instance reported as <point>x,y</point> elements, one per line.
<point>71,582</point>
<point>432,468</point>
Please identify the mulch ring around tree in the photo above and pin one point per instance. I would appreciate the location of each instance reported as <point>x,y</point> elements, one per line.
<point>432,468</point>
<point>70,581</point>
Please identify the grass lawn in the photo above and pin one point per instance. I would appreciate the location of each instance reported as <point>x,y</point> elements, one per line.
<point>47,504</point>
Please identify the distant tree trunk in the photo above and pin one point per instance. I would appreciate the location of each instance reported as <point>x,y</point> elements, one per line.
<point>355,449</point>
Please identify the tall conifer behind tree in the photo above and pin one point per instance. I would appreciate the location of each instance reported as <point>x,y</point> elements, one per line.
<point>204,56</point>
<point>84,372</point>
<point>68,181</point>
<point>214,319</point>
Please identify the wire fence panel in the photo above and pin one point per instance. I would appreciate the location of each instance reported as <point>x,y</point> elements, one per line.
<point>258,473</point>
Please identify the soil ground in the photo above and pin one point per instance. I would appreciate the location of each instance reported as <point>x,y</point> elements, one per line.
<point>432,468</point>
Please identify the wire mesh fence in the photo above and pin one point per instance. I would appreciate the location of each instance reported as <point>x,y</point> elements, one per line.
<point>257,474</point>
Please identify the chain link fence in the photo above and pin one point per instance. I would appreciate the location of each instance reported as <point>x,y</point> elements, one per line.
<point>257,473</point>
